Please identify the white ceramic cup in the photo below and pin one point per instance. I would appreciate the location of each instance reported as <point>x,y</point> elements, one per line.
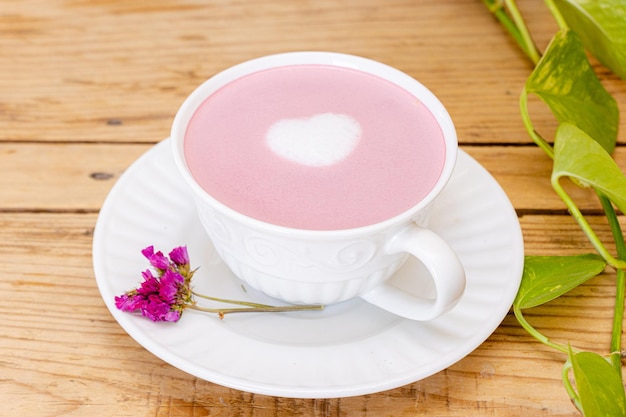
<point>324,267</point>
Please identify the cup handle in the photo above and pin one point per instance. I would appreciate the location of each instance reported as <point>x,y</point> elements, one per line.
<point>444,266</point>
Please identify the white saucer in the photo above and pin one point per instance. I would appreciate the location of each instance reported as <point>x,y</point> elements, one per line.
<point>352,348</point>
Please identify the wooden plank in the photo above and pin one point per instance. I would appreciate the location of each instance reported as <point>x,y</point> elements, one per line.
<point>561,235</point>
<point>524,174</point>
<point>61,176</point>
<point>63,354</point>
<point>78,76</point>
<point>79,176</point>
<point>89,85</point>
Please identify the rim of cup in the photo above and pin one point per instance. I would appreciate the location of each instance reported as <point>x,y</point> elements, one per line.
<point>393,75</point>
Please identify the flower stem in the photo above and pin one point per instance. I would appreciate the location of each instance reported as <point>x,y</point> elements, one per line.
<point>236,302</point>
<point>267,309</point>
<point>249,307</point>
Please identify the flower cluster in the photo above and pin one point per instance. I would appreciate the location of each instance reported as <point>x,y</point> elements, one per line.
<point>164,296</point>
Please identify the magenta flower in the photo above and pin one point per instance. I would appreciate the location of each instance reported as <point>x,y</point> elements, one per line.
<point>128,302</point>
<point>157,260</point>
<point>156,309</point>
<point>180,256</point>
<point>162,297</point>
<point>169,286</point>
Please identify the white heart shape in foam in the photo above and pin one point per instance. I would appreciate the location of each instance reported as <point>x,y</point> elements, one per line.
<point>321,140</point>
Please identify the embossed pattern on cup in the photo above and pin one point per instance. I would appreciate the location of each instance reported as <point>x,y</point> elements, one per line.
<point>302,270</point>
<point>307,269</point>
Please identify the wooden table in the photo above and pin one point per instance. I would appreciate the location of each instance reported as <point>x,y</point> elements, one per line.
<point>86,86</point>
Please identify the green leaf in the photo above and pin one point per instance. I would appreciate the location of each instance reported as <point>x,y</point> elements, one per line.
<point>602,27</point>
<point>548,277</point>
<point>577,155</point>
<point>566,82</point>
<point>599,386</point>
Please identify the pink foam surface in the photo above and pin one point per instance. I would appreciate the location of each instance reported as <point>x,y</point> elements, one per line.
<point>398,159</point>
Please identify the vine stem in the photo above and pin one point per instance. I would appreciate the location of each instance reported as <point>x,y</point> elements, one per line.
<point>556,14</point>
<point>529,45</point>
<point>584,225</point>
<point>535,333</point>
<point>515,25</point>
<point>567,367</point>
<point>495,7</point>
<point>620,283</point>
<point>537,138</point>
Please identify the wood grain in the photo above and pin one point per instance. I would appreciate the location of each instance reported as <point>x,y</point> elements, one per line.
<point>76,176</point>
<point>117,71</point>
<point>61,176</point>
<point>87,86</point>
